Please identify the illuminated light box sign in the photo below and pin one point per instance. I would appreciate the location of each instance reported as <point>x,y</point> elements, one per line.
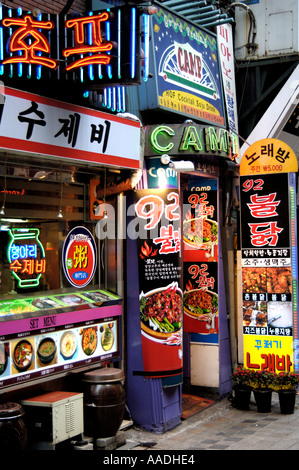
<point>79,257</point>
<point>97,49</point>
<point>186,139</point>
<point>268,156</point>
<point>187,69</point>
<point>269,262</point>
<point>26,256</point>
<point>160,296</point>
<point>69,345</point>
<point>34,124</point>
<point>200,245</point>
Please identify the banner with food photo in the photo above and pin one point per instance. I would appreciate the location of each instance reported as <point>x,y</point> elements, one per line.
<point>157,218</point>
<point>200,242</point>
<point>201,298</point>
<point>268,236</point>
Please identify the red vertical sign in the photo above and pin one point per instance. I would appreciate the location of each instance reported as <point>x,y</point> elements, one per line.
<point>200,236</point>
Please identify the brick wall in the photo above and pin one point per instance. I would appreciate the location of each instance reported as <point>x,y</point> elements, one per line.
<point>50,6</point>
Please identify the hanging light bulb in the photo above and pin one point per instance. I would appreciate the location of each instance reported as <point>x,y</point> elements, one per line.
<point>2,211</point>
<point>60,214</point>
<point>105,215</point>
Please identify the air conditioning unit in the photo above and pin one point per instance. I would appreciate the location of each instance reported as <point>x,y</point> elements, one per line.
<point>54,417</point>
<point>266,29</point>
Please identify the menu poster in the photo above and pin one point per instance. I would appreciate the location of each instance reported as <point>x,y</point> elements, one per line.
<point>200,298</point>
<point>267,271</point>
<point>59,348</point>
<point>157,223</point>
<point>200,241</point>
<point>200,226</point>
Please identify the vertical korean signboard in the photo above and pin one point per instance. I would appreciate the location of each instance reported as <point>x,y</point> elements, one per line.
<point>269,257</point>
<point>157,217</point>
<point>200,237</point>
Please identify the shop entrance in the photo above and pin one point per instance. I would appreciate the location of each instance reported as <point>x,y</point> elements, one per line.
<point>201,287</point>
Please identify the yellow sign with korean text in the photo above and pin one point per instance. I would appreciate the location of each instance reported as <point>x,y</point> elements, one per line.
<point>268,156</point>
<point>274,353</point>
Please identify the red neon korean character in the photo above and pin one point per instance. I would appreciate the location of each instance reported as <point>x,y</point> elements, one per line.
<point>15,266</point>
<point>28,29</point>
<point>40,266</point>
<point>28,266</point>
<point>97,48</point>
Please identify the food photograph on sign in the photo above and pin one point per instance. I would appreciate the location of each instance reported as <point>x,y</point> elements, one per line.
<point>255,313</point>
<point>4,358</point>
<point>161,312</point>
<point>271,280</point>
<point>201,233</point>
<point>23,355</point>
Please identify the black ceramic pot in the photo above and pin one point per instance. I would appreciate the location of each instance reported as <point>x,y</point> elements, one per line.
<point>242,398</point>
<point>287,399</point>
<point>263,399</point>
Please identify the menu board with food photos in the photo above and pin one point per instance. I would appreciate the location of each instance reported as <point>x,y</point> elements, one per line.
<point>74,330</point>
<point>200,242</point>
<point>268,270</point>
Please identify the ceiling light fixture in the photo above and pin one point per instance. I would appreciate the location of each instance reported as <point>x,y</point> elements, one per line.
<point>179,166</point>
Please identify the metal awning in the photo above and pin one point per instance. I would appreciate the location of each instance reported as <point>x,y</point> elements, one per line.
<point>204,13</point>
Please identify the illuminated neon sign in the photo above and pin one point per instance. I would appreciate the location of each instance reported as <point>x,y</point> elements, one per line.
<point>26,256</point>
<point>21,40</point>
<point>99,48</point>
<point>190,139</point>
<point>79,257</point>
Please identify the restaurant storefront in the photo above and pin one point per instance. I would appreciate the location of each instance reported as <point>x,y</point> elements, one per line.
<point>61,276</point>
<point>64,170</point>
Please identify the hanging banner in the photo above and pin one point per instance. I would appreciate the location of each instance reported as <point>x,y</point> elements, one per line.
<point>157,217</point>
<point>269,271</point>
<point>226,53</point>
<point>200,242</point>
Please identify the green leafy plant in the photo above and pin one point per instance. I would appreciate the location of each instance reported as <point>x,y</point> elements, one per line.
<point>242,377</point>
<point>286,381</point>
